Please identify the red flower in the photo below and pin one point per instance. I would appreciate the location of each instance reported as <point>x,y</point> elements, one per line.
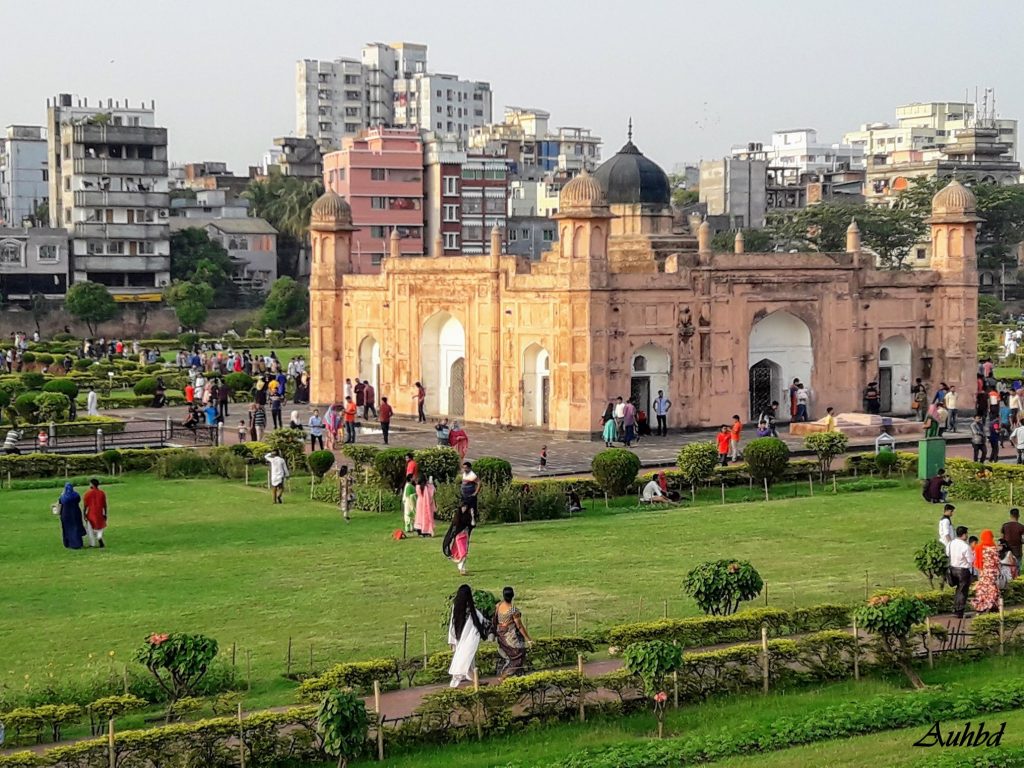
<point>661,697</point>
<point>156,639</point>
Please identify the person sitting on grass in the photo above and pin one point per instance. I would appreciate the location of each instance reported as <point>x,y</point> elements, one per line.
<point>652,494</point>
<point>935,488</point>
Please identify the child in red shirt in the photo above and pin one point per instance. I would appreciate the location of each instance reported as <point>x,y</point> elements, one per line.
<point>724,439</point>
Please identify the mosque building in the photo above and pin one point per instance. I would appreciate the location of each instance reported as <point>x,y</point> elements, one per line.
<point>623,306</point>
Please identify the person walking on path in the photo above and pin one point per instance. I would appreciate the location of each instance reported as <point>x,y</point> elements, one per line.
<point>420,397</point>
<point>344,491</point>
<point>95,503</point>
<point>511,634</point>
<point>386,411</point>
<point>92,403</point>
<point>455,545</point>
<point>661,408</point>
<point>620,413</point>
<point>278,473</point>
<point>425,508</point>
<point>994,438</point>
<point>919,399</point>
<point>978,439</point>
<point>223,398</point>
<point>1017,441</point>
<point>360,391</point>
<point>872,398</point>
<point>946,530</point>
<point>465,631</point>
<point>369,400</point>
<point>609,431</point>
<point>350,420</point>
<point>276,401</point>
<point>986,564</point>
<point>70,510</point>
<point>961,561</point>
<point>1013,532</point>
<point>735,432</point>
<point>316,430</point>
<point>629,423</point>
<point>952,402</point>
<point>803,399</point>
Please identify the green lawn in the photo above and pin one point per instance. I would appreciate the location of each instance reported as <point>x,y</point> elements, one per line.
<point>540,747</point>
<point>216,557</point>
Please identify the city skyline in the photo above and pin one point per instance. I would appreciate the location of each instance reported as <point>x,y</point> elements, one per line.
<point>695,81</point>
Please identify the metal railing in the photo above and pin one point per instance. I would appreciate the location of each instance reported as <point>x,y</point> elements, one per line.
<point>157,434</point>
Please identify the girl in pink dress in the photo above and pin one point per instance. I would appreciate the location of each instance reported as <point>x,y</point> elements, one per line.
<point>425,507</point>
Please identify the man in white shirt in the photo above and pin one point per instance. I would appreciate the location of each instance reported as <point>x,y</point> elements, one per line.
<point>946,532</point>
<point>278,473</point>
<point>1017,438</point>
<point>619,414</point>
<point>960,561</point>
<point>661,407</point>
<point>653,495</point>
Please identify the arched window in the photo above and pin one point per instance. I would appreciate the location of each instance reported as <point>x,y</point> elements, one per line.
<point>10,252</point>
<point>883,354</point>
<point>639,363</point>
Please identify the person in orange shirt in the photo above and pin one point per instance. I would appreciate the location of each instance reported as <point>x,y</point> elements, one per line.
<point>734,445</point>
<point>95,503</point>
<point>724,439</point>
<point>350,420</point>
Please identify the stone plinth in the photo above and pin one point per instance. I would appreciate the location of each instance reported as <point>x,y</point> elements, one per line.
<point>860,425</point>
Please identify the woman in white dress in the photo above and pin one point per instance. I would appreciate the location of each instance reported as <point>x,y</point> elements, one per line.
<point>465,631</point>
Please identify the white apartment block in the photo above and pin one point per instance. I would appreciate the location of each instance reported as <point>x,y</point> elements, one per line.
<point>930,125</point>
<point>109,188</point>
<point>800,150</point>
<point>24,175</point>
<point>525,137</point>
<point>442,103</point>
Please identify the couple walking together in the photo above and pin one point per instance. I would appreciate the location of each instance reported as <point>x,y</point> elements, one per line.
<point>468,627</point>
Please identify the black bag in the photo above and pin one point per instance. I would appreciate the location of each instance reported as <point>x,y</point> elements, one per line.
<point>951,577</point>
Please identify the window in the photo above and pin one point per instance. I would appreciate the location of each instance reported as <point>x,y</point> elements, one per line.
<point>494,205</point>
<point>438,94</point>
<point>451,212</point>
<point>146,247</point>
<point>639,363</point>
<point>439,112</point>
<point>115,247</point>
<point>47,253</point>
<point>352,111</point>
<point>378,231</point>
<point>378,203</point>
<point>94,247</point>
<point>10,252</point>
<point>920,254</point>
<point>46,175</point>
<point>471,205</point>
<point>472,173</point>
<point>513,235</point>
<point>377,174</point>
<point>352,95</point>
<point>351,127</point>
<point>451,185</point>
<point>495,175</point>
<point>451,241</point>
<point>548,235</point>
<point>474,233</point>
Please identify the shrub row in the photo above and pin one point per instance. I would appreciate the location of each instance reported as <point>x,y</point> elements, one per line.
<point>51,465</point>
<point>26,725</point>
<point>358,675</point>
<point>269,738</point>
<point>880,713</point>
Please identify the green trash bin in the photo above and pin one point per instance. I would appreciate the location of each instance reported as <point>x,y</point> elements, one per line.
<point>931,456</point>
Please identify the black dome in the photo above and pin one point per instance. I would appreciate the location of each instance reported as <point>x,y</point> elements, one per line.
<point>629,178</point>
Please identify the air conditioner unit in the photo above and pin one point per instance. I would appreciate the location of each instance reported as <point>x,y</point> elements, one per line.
<point>162,214</point>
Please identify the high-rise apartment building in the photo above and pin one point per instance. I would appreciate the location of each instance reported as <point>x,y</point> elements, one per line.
<point>109,188</point>
<point>24,175</point>
<point>442,103</point>
<point>525,137</point>
<point>380,174</point>
<point>331,100</point>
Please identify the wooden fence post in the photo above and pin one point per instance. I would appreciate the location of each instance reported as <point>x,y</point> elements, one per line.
<point>764,656</point>
<point>241,738</point>
<point>766,490</point>
<point>380,720</point>
<point>1002,628</point>
<point>289,662</point>
<point>723,492</point>
<point>928,641</point>
<point>835,489</point>
<point>478,714</point>
<point>856,650</point>
<point>810,482</point>
<point>110,743</point>
<point>248,669</point>
<point>424,649</point>
<point>551,623</point>
<point>583,703</point>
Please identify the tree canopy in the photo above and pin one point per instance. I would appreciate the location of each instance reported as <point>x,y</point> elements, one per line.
<point>191,302</point>
<point>197,258</point>
<point>91,303</point>
<point>285,201</point>
<point>287,305</point>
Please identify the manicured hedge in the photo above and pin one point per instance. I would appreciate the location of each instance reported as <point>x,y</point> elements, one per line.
<point>357,674</point>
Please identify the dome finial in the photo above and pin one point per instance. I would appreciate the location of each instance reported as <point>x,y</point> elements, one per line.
<point>629,129</point>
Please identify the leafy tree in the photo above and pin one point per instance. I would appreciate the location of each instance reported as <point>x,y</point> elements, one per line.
<point>52,406</point>
<point>615,469</point>
<point>932,561</point>
<point>319,462</point>
<point>891,233</point>
<point>195,257</point>
<point>767,458</point>
<point>891,615</point>
<point>719,586</point>
<point>191,302</point>
<point>697,461</point>
<point>343,725</point>
<point>754,240</point>
<point>40,307</point>
<point>287,305</point>
<point>285,201</point>
<point>91,303</point>
<point>177,661</point>
<point>826,446</point>
<point>990,308</point>
<point>653,661</point>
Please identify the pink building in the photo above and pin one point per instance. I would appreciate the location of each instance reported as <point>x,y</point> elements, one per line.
<point>380,174</point>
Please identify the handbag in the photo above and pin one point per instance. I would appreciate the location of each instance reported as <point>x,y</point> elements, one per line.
<point>55,509</point>
<point>950,577</point>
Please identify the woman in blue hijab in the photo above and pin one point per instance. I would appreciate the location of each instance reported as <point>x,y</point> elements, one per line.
<point>71,524</point>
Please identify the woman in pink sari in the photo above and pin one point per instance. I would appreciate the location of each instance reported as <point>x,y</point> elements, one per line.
<point>456,541</point>
<point>459,440</point>
<point>425,508</point>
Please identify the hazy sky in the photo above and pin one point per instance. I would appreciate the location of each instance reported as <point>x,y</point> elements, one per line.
<point>695,77</point>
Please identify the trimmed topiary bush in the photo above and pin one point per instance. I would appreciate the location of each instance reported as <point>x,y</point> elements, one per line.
<point>767,459</point>
<point>63,336</point>
<point>719,586</point>
<point>25,405</point>
<point>239,382</point>
<point>389,464</point>
<point>45,358</point>
<point>289,443</point>
<point>827,446</point>
<point>145,386</point>
<point>697,462</point>
<point>319,463</point>
<point>52,406</point>
<point>28,357</point>
<point>361,455</point>
<point>886,461</point>
<point>32,380</point>
<point>188,340</point>
<point>440,463</point>
<point>83,364</point>
<point>615,470</point>
<point>66,387</point>
<point>493,472</point>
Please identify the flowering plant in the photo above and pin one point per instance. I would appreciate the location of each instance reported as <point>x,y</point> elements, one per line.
<point>178,661</point>
<point>156,639</point>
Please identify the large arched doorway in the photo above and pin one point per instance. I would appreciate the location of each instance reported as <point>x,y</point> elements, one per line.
<point>369,362</point>
<point>894,374</point>
<point>649,372</point>
<point>443,364</point>
<point>536,386</point>
<point>779,351</point>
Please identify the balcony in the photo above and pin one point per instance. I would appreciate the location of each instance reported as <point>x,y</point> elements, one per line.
<point>102,231</point>
<point>114,166</point>
<point>90,199</point>
<point>122,264</point>
<point>119,134</point>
